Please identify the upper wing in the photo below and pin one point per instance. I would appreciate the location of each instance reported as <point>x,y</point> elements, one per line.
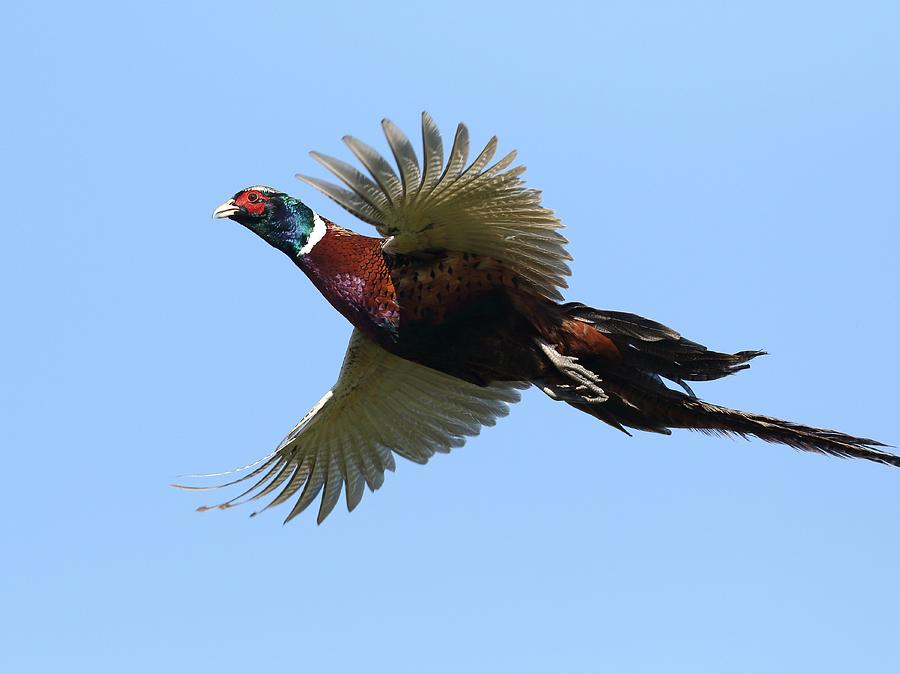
<point>487,211</point>
<point>379,405</point>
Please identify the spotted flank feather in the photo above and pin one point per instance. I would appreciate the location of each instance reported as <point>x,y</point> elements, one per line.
<point>436,206</point>
<point>381,405</point>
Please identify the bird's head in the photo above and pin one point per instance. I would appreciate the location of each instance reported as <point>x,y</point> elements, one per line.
<point>283,221</point>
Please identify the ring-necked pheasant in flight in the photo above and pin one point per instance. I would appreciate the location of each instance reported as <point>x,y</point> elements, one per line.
<point>456,309</point>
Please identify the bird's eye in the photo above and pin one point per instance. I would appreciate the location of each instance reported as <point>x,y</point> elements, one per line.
<point>252,197</point>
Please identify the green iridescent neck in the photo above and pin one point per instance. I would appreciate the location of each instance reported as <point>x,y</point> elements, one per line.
<point>289,225</point>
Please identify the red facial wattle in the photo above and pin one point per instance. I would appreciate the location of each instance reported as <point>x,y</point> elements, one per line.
<point>252,201</point>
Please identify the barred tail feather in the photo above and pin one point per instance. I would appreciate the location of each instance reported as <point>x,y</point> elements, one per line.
<point>698,415</point>
<point>644,406</point>
<point>635,396</point>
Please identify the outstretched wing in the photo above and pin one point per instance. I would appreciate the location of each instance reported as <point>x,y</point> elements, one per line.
<point>380,405</point>
<point>474,209</point>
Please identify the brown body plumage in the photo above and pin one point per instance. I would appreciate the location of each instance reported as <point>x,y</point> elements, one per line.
<point>471,317</point>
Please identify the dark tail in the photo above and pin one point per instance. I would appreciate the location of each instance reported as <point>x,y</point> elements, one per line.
<point>636,396</point>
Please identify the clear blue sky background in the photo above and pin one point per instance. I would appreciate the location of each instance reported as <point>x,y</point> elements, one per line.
<point>732,171</point>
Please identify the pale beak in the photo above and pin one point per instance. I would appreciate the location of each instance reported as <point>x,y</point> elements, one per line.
<point>226,210</point>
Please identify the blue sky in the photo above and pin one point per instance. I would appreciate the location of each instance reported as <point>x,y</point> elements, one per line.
<point>730,170</point>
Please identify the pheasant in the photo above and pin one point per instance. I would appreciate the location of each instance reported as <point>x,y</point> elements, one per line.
<point>455,309</point>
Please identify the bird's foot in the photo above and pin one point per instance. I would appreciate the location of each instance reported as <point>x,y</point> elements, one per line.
<point>586,387</point>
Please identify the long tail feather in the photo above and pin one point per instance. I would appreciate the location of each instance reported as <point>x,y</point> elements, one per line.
<point>680,411</point>
<point>635,396</point>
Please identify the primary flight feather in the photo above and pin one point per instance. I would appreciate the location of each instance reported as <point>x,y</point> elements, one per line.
<point>455,308</point>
